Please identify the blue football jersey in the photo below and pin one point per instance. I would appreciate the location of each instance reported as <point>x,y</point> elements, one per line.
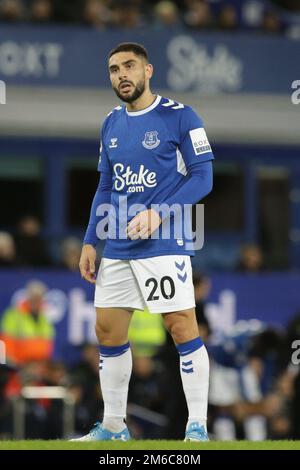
<point>149,154</point>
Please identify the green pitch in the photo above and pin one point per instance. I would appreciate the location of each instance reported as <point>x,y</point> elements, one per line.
<point>149,445</point>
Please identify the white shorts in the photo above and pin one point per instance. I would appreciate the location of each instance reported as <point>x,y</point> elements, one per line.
<point>162,284</point>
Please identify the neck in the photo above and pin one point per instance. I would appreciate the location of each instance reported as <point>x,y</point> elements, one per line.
<point>145,100</point>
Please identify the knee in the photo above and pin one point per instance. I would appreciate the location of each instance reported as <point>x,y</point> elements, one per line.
<point>103,333</point>
<point>108,335</point>
<point>181,329</point>
<point>178,331</point>
<point>176,328</point>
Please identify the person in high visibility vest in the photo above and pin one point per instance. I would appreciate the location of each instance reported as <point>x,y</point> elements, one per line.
<point>146,333</point>
<point>27,333</point>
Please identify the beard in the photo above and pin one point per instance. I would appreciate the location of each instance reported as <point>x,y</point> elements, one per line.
<point>137,92</point>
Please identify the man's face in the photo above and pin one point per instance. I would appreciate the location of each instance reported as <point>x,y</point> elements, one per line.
<point>129,75</point>
<point>35,302</point>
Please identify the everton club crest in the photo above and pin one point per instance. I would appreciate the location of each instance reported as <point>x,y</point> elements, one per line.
<point>151,141</point>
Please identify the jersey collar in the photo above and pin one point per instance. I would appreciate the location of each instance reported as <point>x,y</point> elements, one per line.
<point>146,110</point>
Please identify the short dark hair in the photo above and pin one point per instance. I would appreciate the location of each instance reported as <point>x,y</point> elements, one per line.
<point>134,47</point>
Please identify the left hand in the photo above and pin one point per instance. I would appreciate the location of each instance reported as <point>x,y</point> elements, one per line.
<point>143,224</point>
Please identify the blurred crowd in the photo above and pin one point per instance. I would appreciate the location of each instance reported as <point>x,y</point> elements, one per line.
<point>270,16</point>
<point>26,247</point>
<point>254,382</point>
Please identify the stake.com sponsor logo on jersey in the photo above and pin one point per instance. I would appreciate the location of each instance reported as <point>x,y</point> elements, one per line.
<point>135,182</point>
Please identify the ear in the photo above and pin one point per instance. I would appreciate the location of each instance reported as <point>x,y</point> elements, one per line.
<point>149,71</point>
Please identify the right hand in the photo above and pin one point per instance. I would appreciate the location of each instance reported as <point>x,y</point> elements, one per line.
<point>87,263</point>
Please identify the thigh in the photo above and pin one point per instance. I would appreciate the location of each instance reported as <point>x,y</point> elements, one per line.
<point>116,286</point>
<point>166,282</point>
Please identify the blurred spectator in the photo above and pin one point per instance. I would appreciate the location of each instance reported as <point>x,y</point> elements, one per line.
<point>68,11</point>
<point>292,5</point>
<point>5,406</point>
<point>41,11</point>
<point>7,250</point>
<point>267,356</point>
<point>251,259</point>
<point>292,334</point>
<point>250,393</point>
<point>27,333</point>
<point>271,23</point>
<point>86,372</point>
<point>146,333</point>
<point>96,14</point>
<point>175,399</point>
<point>295,410</point>
<point>11,11</point>
<point>166,15</point>
<point>147,392</point>
<point>202,287</point>
<point>85,389</point>
<point>228,20</point>
<point>34,373</point>
<point>57,374</point>
<point>43,417</point>
<point>71,250</point>
<point>126,15</point>
<point>278,407</point>
<point>198,15</point>
<point>31,248</point>
<point>235,397</point>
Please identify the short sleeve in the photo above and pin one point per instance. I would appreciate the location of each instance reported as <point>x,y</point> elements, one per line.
<point>103,165</point>
<point>194,145</point>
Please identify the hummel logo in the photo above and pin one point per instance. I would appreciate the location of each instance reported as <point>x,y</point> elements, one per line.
<point>173,104</point>
<point>113,143</point>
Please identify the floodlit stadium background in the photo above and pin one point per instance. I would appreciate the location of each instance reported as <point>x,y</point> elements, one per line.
<point>237,63</point>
